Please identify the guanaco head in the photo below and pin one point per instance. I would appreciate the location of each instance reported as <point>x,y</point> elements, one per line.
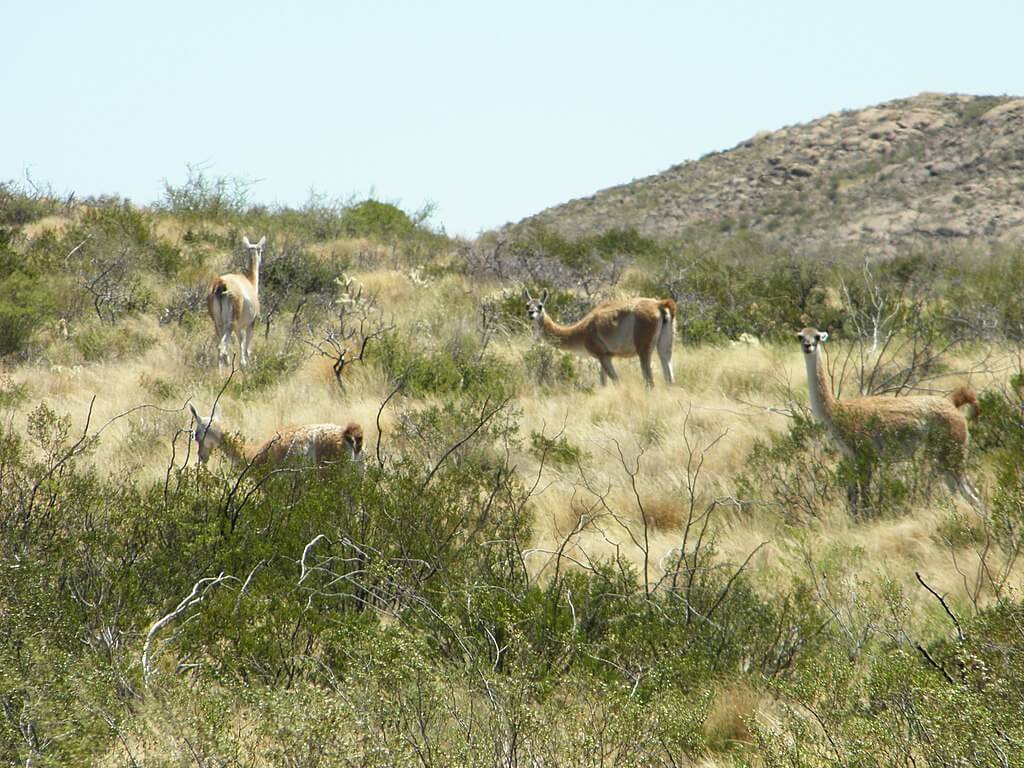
<point>535,307</point>
<point>255,251</point>
<point>353,436</point>
<point>810,338</point>
<point>208,433</point>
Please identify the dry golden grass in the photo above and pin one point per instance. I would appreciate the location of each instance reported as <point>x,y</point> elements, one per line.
<point>725,399</point>
<point>359,249</point>
<point>731,710</point>
<point>56,224</point>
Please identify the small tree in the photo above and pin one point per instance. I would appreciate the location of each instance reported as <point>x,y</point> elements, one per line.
<point>357,321</point>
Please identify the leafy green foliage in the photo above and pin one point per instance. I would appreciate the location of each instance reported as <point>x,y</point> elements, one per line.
<point>201,196</point>
<point>372,218</point>
<point>97,342</point>
<point>550,367</point>
<point>458,366</point>
<point>795,469</point>
<point>26,304</point>
<point>586,252</point>
<point>19,206</point>
<point>556,450</point>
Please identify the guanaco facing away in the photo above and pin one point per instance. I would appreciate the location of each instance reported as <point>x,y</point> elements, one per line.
<point>234,304</point>
<point>614,329</point>
<point>863,424</point>
<point>316,444</point>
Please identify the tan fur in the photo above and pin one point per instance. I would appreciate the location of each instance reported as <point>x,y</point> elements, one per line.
<point>320,444</point>
<point>622,328</point>
<point>884,422</point>
<point>965,395</point>
<point>233,302</point>
<point>314,444</point>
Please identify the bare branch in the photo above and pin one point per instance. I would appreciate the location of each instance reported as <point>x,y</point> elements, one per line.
<point>945,607</point>
<point>199,592</point>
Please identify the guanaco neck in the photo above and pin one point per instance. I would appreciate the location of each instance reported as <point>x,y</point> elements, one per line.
<point>254,273</point>
<point>564,334</point>
<point>236,450</point>
<point>823,404</point>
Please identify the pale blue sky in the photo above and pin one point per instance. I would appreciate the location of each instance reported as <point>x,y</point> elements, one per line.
<point>493,112</point>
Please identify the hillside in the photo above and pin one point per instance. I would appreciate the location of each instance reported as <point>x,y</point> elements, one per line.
<point>934,167</point>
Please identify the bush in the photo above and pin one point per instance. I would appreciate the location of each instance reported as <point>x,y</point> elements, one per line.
<point>555,450</point>
<point>374,219</point>
<point>293,273</point>
<point>26,304</point>
<point>201,197</point>
<point>99,343</point>
<point>407,589</point>
<point>550,367</point>
<point>19,206</point>
<point>458,366</point>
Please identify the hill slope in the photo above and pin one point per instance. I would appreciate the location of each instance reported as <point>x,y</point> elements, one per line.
<point>931,167</point>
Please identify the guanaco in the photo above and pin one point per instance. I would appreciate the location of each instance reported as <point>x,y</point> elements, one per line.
<point>234,304</point>
<point>614,329</point>
<point>878,421</point>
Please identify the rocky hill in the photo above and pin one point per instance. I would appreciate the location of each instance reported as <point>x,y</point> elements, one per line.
<point>935,167</point>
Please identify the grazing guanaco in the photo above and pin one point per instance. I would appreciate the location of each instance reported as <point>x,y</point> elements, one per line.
<point>614,329</point>
<point>860,425</point>
<point>316,444</point>
<point>234,304</point>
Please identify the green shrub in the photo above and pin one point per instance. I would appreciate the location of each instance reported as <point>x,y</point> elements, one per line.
<point>270,364</point>
<point>900,710</point>
<point>202,197</point>
<point>585,252</point>
<point>168,260</point>
<point>975,108</point>
<point>26,304</point>
<point>550,367</point>
<point>12,394</point>
<point>456,366</point>
<point>555,450</point>
<point>27,301</point>
<point>99,343</point>
<point>372,218</point>
<point>293,273</point>
<point>19,206</point>
<point>794,471</point>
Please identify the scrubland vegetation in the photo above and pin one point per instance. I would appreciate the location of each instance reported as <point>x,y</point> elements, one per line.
<point>532,570</point>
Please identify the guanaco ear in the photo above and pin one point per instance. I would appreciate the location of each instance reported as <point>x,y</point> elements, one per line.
<point>526,294</point>
<point>544,297</point>
<point>245,242</point>
<point>195,415</point>
<point>823,336</point>
<point>262,242</point>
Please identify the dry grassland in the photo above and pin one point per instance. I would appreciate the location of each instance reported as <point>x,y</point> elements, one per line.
<point>691,439</point>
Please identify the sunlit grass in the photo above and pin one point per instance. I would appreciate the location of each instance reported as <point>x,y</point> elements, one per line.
<point>691,439</point>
